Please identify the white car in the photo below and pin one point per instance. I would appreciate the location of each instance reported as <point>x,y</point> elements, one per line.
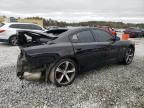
<point>8,31</point>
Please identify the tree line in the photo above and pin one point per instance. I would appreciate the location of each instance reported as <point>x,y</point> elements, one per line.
<point>51,22</point>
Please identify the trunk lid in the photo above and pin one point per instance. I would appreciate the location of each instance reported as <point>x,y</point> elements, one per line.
<point>32,38</point>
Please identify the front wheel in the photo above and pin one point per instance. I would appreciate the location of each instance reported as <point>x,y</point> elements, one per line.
<point>63,72</point>
<point>129,55</point>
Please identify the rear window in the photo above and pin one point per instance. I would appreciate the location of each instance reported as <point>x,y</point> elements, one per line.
<point>56,32</point>
<point>14,26</point>
<point>2,24</point>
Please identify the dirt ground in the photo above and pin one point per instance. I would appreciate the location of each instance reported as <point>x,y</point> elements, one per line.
<point>111,86</point>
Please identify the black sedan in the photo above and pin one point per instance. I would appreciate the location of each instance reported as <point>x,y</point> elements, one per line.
<point>59,59</point>
<point>134,32</point>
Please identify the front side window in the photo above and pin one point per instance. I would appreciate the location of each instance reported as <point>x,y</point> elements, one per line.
<point>101,36</point>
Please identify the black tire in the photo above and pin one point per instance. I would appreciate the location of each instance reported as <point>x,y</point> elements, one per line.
<point>129,55</point>
<point>63,72</point>
<point>13,40</point>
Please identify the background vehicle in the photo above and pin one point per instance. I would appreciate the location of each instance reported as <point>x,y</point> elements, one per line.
<point>73,51</point>
<point>108,29</point>
<point>134,32</point>
<point>8,31</point>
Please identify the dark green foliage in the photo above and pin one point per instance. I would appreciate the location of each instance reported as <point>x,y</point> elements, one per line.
<point>51,22</point>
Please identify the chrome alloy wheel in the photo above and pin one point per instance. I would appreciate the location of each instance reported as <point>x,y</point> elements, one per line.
<point>129,55</point>
<point>65,72</point>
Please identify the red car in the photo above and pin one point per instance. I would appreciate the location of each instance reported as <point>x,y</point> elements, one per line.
<point>108,29</point>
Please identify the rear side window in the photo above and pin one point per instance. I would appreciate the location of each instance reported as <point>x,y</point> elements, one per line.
<point>83,36</point>
<point>101,35</point>
<point>25,26</point>
<point>21,26</point>
<point>14,26</point>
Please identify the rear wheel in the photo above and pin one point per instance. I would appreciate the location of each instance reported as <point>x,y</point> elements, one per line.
<point>13,40</point>
<point>63,72</point>
<point>128,58</point>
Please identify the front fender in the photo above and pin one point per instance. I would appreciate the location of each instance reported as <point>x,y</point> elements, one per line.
<point>123,45</point>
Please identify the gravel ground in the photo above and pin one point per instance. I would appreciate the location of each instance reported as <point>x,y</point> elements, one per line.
<point>111,86</point>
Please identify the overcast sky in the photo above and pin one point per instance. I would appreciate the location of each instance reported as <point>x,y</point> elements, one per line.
<point>76,10</point>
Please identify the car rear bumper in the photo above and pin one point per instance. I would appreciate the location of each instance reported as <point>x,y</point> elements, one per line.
<point>28,71</point>
<point>3,38</point>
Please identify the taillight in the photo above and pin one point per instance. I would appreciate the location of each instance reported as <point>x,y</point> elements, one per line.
<point>1,30</point>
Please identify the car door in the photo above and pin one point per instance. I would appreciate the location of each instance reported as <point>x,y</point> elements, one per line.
<point>86,49</point>
<point>105,39</point>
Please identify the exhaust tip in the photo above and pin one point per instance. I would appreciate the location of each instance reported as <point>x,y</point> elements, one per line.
<point>32,76</point>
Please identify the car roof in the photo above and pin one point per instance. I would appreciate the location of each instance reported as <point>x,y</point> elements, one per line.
<point>58,29</point>
<point>71,28</point>
<point>82,28</point>
<point>71,31</point>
